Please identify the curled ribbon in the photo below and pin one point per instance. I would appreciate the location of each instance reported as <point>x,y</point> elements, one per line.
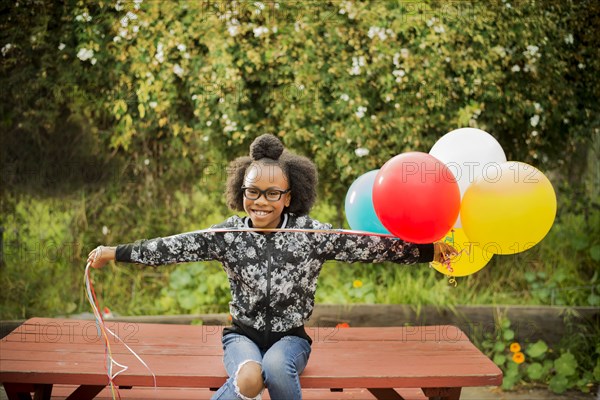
<point>103,331</point>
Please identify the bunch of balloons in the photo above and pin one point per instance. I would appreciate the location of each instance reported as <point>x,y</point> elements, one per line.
<point>463,192</point>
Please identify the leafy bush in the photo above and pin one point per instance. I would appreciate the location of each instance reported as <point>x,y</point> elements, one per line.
<point>575,363</point>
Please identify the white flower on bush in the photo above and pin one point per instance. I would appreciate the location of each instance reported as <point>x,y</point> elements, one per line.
<point>233,30</point>
<point>61,46</point>
<point>6,48</point>
<point>360,112</point>
<point>259,31</point>
<point>153,104</point>
<point>396,60</point>
<point>534,121</point>
<point>177,70</point>
<point>569,39</point>
<point>230,125</point>
<point>357,62</point>
<point>439,29</point>
<point>105,230</point>
<point>532,51</point>
<point>160,55</point>
<point>381,33</point>
<point>259,7</point>
<point>515,68</point>
<point>85,17</point>
<point>346,8</point>
<point>344,97</point>
<point>181,47</point>
<point>361,152</point>
<point>85,54</point>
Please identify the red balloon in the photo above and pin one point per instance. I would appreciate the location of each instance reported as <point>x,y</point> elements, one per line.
<point>416,197</point>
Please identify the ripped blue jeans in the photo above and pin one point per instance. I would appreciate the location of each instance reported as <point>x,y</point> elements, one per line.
<point>281,366</point>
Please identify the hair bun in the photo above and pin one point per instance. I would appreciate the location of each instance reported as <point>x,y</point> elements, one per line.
<point>266,146</point>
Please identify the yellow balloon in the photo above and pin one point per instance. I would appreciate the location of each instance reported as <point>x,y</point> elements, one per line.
<point>509,209</point>
<point>470,259</point>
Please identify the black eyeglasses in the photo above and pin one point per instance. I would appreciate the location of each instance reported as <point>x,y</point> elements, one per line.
<point>252,193</point>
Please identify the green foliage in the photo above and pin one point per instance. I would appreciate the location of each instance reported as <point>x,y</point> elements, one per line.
<point>185,84</point>
<point>560,368</point>
<point>193,289</point>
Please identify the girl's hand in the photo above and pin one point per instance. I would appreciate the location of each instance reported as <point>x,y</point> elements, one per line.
<point>101,255</point>
<point>443,251</point>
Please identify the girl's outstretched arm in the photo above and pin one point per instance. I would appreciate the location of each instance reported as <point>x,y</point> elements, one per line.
<point>185,247</point>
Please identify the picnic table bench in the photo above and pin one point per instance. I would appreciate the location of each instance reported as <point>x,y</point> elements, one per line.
<point>65,358</point>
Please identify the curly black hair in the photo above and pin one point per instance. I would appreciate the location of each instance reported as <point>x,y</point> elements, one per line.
<point>299,170</point>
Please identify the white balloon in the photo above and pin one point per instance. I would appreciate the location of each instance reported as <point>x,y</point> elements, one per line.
<point>468,153</point>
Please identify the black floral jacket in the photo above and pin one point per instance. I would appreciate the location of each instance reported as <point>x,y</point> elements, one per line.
<point>272,276</point>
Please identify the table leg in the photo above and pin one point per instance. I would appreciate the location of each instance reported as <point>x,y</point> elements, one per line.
<point>18,391</point>
<point>442,393</point>
<point>85,392</point>
<point>42,392</point>
<point>385,394</point>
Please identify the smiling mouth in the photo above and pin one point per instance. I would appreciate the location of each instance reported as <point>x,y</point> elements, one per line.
<point>261,213</point>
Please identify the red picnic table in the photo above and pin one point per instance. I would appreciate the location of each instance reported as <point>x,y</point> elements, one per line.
<point>65,358</point>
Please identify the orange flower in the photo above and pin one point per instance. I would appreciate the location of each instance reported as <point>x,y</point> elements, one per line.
<point>515,347</point>
<point>343,325</point>
<point>357,283</point>
<point>518,357</point>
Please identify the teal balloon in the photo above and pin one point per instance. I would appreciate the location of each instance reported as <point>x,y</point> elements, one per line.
<point>360,212</point>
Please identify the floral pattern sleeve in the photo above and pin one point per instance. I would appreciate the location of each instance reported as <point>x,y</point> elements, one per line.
<point>361,248</point>
<point>184,247</point>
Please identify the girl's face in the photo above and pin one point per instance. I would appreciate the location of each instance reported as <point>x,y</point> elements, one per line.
<point>269,183</point>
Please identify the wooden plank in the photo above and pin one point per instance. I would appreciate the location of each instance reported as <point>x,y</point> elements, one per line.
<point>58,351</point>
<point>142,393</point>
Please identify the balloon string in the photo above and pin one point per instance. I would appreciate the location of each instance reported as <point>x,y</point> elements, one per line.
<point>297,230</point>
<point>102,331</point>
<point>447,261</point>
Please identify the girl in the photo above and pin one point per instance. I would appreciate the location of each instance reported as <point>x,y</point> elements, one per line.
<point>272,272</point>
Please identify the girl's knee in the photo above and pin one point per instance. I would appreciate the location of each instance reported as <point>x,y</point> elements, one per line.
<point>249,381</point>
